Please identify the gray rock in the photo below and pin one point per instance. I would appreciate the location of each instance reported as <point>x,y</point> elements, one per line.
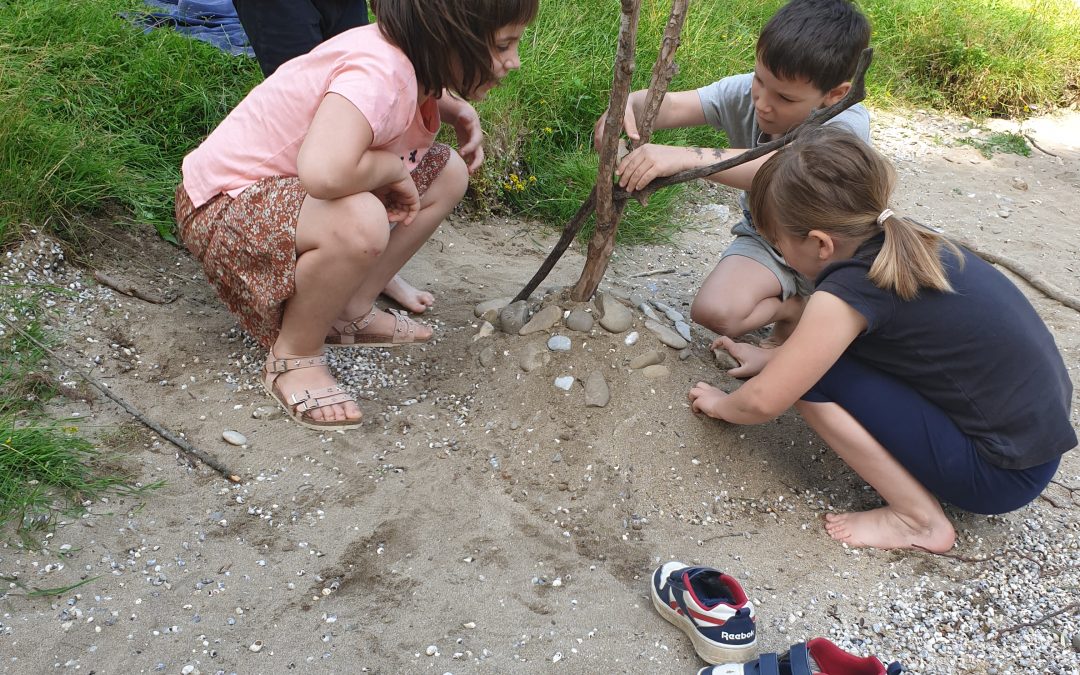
<point>666,335</point>
<point>267,412</point>
<point>684,354</point>
<point>234,437</point>
<point>649,312</point>
<point>579,320</point>
<point>597,393</point>
<point>670,313</point>
<point>649,358</point>
<point>487,356</point>
<point>1076,641</point>
<point>486,329</point>
<point>533,357</point>
<point>656,372</point>
<point>493,304</point>
<point>1004,213</point>
<point>637,299</point>
<point>491,316</point>
<point>542,320</point>
<point>513,316</point>
<point>565,382</point>
<point>724,360</point>
<point>631,338</point>
<point>683,329</point>
<point>615,317</point>
<point>559,343</point>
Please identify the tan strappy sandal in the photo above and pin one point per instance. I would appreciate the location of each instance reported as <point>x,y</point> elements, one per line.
<point>351,335</point>
<point>299,404</point>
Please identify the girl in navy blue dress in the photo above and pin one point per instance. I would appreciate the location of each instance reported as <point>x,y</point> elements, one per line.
<point>924,368</point>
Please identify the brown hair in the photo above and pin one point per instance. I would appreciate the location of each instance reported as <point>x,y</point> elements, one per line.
<point>817,40</point>
<point>831,181</point>
<point>449,41</point>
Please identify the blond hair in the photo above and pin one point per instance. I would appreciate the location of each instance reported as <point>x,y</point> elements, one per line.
<point>831,181</point>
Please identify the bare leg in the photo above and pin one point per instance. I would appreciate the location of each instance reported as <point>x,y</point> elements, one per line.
<point>405,240</point>
<point>741,295</point>
<point>336,242</point>
<point>913,517</point>
<point>408,296</point>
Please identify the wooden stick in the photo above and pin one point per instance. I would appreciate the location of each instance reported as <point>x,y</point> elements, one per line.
<point>1029,275</point>
<point>185,447</point>
<point>607,222</point>
<point>130,289</point>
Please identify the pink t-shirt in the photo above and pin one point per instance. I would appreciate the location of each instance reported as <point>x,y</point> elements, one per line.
<point>261,137</point>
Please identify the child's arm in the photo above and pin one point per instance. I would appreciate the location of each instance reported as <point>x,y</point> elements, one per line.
<point>335,160</point>
<point>827,327</point>
<point>470,136</point>
<point>678,110</point>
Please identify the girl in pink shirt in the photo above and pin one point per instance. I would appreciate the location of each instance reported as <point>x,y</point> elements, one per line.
<point>291,203</point>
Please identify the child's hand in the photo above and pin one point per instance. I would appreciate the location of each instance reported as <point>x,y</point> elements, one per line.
<point>629,125</point>
<point>752,360</point>
<point>470,135</point>
<point>705,398</point>
<point>401,199</point>
<point>646,162</point>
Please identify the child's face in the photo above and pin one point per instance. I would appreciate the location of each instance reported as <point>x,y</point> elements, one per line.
<point>782,104</point>
<point>803,254</point>
<point>504,58</point>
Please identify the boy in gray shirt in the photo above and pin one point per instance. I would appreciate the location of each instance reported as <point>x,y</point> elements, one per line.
<point>806,56</point>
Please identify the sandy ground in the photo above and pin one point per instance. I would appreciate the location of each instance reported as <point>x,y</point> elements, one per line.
<point>495,521</point>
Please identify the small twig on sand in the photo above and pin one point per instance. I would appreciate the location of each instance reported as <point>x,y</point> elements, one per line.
<point>1029,275</point>
<point>1028,624</point>
<point>185,448</point>
<point>653,273</point>
<point>130,289</point>
<point>1037,146</point>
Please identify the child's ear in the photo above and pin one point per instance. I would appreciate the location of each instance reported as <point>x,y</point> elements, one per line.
<point>826,246</point>
<point>836,93</point>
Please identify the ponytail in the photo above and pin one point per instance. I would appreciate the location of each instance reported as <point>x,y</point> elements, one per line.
<point>910,258</point>
<point>829,180</point>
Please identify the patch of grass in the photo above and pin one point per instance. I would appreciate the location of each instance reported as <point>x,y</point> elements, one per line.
<point>93,112</point>
<point>46,468</point>
<point>977,57</point>
<point>999,142</point>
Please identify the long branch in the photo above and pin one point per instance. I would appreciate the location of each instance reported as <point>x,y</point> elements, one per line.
<point>185,447</point>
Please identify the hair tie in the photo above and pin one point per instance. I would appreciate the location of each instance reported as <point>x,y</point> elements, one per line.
<point>883,216</point>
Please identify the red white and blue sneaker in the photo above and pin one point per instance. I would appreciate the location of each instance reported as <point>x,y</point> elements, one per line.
<point>816,657</point>
<point>710,607</point>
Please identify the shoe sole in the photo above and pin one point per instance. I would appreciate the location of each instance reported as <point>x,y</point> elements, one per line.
<point>707,650</point>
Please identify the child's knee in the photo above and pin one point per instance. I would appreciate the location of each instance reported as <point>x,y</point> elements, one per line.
<point>455,178</point>
<point>717,315</point>
<point>363,229</point>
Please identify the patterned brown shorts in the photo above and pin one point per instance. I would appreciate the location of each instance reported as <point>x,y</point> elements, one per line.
<point>247,245</point>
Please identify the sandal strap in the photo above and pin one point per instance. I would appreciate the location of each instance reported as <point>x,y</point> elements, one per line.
<point>311,399</point>
<point>360,323</point>
<point>404,327</point>
<point>276,365</point>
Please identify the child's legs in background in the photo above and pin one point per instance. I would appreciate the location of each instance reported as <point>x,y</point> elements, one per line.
<point>749,288</point>
<point>445,191</point>
<point>912,453</point>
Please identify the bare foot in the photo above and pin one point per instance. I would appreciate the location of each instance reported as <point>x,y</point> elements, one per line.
<point>383,324</point>
<point>885,528</point>
<point>295,382</point>
<point>408,296</point>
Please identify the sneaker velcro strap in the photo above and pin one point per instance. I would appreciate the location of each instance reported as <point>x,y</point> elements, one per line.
<point>767,664</point>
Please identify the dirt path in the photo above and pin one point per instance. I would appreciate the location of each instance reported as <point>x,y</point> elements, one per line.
<point>495,517</point>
